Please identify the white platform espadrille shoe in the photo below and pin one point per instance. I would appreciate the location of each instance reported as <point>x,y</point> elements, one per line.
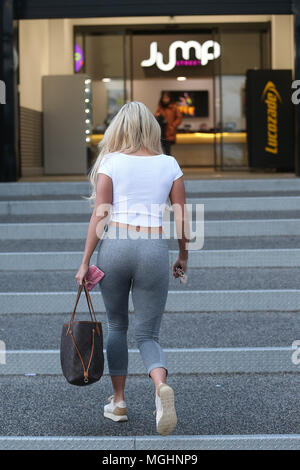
<point>116,411</point>
<point>166,418</point>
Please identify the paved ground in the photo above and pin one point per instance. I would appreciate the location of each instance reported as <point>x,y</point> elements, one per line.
<point>206,404</point>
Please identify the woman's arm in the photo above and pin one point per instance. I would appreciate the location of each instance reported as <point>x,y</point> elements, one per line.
<point>101,212</point>
<point>178,118</point>
<point>158,111</point>
<point>181,216</point>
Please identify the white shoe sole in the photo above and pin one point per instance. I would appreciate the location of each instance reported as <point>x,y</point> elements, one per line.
<point>115,417</point>
<point>168,419</point>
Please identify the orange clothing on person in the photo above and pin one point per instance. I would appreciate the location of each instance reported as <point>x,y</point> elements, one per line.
<point>174,118</point>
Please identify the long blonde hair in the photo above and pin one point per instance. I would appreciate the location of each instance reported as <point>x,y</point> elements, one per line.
<point>134,126</point>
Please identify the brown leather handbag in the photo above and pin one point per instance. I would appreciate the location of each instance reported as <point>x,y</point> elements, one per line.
<point>81,349</point>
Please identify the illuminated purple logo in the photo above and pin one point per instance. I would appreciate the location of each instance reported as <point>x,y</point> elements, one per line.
<point>78,57</point>
<point>188,62</point>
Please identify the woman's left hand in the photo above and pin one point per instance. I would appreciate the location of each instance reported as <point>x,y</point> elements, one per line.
<point>81,273</point>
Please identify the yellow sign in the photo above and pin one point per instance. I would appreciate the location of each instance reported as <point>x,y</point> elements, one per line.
<point>271,96</point>
<point>186,109</point>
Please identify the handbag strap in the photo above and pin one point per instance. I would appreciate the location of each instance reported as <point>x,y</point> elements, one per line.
<point>89,300</point>
<point>90,305</point>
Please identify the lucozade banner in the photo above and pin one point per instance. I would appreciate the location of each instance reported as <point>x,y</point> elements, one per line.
<point>270,119</point>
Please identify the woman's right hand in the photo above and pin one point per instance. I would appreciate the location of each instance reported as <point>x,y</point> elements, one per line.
<point>83,269</point>
<point>180,262</point>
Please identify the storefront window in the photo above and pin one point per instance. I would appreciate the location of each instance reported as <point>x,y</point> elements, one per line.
<point>203,69</point>
<point>104,64</point>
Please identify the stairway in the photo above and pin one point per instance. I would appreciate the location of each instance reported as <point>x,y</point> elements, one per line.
<point>230,335</point>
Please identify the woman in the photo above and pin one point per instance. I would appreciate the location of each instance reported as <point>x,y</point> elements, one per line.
<point>131,181</point>
<point>170,117</point>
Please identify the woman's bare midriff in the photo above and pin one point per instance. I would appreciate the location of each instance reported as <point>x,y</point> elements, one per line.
<point>138,228</point>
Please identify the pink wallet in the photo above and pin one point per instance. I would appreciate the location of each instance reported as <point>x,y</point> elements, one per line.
<point>93,276</point>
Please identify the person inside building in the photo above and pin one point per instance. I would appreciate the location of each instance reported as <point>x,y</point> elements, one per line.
<point>169,118</point>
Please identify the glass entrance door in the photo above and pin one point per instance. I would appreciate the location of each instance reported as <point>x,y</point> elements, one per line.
<point>241,50</point>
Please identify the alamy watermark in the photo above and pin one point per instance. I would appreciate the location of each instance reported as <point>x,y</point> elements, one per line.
<point>181,228</point>
<point>296,94</point>
<point>296,353</point>
<point>2,352</point>
<point>2,92</point>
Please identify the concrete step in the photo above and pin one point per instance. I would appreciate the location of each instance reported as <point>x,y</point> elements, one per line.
<point>179,360</point>
<point>219,205</point>
<point>21,246</point>
<point>238,340</point>
<point>224,228</point>
<point>263,258</point>
<point>212,279</point>
<point>192,186</point>
<point>238,185</point>
<point>251,193</point>
<point>44,303</point>
<point>68,196</point>
<point>178,330</point>
<point>173,443</point>
<point>224,404</point>
<point>208,216</point>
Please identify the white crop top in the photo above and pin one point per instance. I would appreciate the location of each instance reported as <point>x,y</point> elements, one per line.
<point>141,186</point>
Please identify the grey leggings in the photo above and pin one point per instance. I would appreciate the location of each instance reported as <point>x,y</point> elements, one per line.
<point>133,260</point>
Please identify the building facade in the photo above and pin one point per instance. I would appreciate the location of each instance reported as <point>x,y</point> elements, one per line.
<point>135,52</point>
